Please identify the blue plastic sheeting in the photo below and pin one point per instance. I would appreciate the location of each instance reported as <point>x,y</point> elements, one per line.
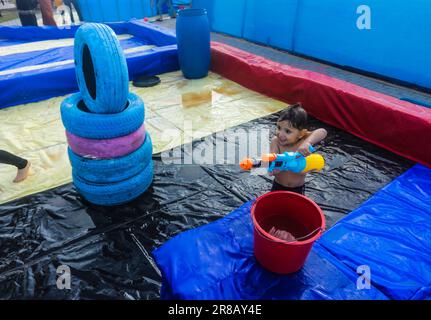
<point>228,16</point>
<point>225,16</point>
<point>31,86</point>
<point>33,58</point>
<point>208,5</point>
<point>116,10</point>
<point>396,45</point>
<point>216,261</point>
<point>390,233</point>
<point>271,22</point>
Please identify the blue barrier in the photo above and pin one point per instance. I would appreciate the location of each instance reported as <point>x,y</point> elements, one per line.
<point>396,45</point>
<point>206,4</point>
<point>229,16</point>
<point>226,16</point>
<point>271,22</point>
<point>389,38</point>
<point>116,10</point>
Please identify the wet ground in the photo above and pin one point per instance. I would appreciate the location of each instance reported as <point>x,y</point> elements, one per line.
<point>109,249</point>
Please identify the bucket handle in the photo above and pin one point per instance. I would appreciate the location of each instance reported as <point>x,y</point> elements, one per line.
<point>296,240</point>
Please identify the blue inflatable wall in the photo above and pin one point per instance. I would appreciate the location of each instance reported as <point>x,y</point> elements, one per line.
<point>389,38</point>
<point>18,86</point>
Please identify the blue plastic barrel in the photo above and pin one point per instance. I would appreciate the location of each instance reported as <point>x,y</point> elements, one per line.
<point>193,37</point>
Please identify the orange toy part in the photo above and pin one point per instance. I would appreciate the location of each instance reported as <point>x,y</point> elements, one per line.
<point>268,157</point>
<point>246,164</point>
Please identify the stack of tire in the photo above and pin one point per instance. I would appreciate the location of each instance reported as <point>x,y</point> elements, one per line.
<point>109,149</point>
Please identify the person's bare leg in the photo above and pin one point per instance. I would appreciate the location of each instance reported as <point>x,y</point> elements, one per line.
<point>22,173</point>
<point>47,14</point>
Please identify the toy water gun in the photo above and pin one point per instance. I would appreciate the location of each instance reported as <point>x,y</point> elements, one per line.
<point>287,161</point>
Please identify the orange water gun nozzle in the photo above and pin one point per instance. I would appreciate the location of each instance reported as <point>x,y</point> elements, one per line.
<point>246,164</point>
<point>249,163</point>
<point>268,157</point>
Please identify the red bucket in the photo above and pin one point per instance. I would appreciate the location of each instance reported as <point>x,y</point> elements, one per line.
<point>291,212</point>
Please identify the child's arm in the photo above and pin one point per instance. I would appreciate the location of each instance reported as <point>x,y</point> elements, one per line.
<point>313,137</point>
<point>273,148</point>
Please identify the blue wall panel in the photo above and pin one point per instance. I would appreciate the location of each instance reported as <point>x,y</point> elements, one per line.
<point>116,10</point>
<point>208,5</point>
<point>270,22</point>
<point>225,16</point>
<point>397,45</point>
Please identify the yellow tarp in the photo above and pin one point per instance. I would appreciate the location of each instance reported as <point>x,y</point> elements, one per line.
<point>34,131</point>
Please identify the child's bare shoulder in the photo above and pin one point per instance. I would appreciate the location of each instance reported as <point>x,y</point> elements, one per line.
<point>274,145</point>
<point>274,140</point>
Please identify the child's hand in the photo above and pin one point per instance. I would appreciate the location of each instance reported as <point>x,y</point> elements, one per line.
<point>304,149</point>
<point>274,172</point>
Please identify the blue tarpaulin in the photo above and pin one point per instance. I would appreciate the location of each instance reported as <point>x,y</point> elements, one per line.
<point>28,86</point>
<point>388,38</point>
<point>390,234</point>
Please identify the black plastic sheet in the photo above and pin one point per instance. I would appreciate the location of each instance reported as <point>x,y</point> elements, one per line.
<point>108,249</point>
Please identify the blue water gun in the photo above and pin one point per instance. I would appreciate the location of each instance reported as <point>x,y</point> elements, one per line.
<point>287,161</point>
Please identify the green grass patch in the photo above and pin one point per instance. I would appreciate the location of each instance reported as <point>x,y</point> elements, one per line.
<point>8,15</point>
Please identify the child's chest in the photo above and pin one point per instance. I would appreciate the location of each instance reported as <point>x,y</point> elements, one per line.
<point>283,149</point>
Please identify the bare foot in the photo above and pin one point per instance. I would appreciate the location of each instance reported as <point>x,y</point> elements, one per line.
<point>22,173</point>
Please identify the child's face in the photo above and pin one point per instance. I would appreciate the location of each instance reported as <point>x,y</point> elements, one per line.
<point>287,134</point>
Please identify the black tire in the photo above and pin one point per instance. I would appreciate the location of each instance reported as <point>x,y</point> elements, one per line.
<point>101,68</point>
<point>116,193</point>
<point>112,170</point>
<point>78,120</point>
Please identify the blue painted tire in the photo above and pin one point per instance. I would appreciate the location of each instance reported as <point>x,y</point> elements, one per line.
<point>112,170</point>
<point>79,121</point>
<point>101,68</point>
<point>116,193</point>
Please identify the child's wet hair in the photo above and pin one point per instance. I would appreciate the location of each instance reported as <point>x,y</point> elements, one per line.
<point>296,115</point>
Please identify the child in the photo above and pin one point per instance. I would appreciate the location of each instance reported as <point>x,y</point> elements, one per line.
<point>22,165</point>
<point>292,135</point>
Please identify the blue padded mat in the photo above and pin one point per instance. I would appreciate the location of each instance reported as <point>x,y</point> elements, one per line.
<point>39,57</point>
<point>390,233</point>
